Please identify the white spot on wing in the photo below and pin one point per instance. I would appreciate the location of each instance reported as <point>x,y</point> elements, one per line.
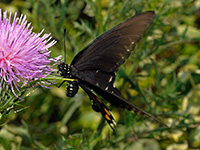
<point>97,84</point>
<point>110,79</point>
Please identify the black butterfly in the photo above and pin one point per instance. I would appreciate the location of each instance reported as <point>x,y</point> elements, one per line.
<point>94,68</point>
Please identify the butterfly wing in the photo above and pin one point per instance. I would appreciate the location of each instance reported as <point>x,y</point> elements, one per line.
<point>100,79</point>
<point>111,48</point>
<point>101,59</point>
<point>99,106</point>
<point>118,101</point>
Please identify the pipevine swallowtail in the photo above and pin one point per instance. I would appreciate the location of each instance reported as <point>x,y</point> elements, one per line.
<point>94,68</point>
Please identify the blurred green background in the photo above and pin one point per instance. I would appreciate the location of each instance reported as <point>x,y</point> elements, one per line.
<point>162,77</point>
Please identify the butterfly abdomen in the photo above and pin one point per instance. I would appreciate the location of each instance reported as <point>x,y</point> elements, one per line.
<point>72,88</point>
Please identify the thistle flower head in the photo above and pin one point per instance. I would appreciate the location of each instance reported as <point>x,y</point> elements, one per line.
<point>24,55</point>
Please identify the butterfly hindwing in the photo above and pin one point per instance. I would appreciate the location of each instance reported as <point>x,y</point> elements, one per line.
<point>99,106</point>
<point>119,102</point>
<point>101,79</point>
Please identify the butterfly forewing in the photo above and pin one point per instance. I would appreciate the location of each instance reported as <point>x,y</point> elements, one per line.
<point>111,49</point>
<point>98,62</point>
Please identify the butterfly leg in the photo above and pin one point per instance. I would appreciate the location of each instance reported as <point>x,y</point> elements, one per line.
<point>99,106</point>
<point>61,84</point>
<point>66,80</point>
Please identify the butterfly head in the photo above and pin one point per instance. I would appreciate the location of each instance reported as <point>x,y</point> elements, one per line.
<point>64,70</point>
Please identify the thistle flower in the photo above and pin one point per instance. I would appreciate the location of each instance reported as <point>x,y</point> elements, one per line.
<point>24,55</point>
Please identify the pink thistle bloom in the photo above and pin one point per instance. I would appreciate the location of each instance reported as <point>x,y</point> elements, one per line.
<point>24,55</point>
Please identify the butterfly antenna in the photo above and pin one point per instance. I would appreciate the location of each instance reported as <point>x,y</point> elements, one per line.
<point>64,46</point>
